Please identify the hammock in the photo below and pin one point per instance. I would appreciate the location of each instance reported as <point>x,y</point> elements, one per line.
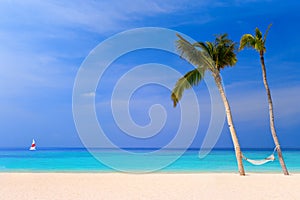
<point>262,161</point>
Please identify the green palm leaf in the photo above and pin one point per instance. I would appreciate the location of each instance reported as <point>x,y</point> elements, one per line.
<point>193,55</point>
<point>266,33</point>
<point>247,40</point>
<point>258,34</point>
<point>207,47</point>
<point>190,79</point>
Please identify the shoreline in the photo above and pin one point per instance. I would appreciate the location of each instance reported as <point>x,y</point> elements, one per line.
<point>75,186</point>
<point>146,173</point>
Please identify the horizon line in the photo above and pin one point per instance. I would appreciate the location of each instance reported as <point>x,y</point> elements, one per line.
<point>146,148</point>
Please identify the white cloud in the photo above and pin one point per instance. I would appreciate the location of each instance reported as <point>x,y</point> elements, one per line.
<point>96,16</point>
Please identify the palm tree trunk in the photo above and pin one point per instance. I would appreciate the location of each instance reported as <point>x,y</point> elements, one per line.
<point>234,137</point>
<point>271,115</point>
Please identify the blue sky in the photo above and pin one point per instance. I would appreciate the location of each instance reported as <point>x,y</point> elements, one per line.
<point>43,44</point>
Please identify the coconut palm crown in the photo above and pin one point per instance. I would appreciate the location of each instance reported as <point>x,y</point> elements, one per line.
<point>256,41</point>
<point>212,56</point>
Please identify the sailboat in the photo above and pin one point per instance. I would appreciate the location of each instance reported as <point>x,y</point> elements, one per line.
<point>32,147</point>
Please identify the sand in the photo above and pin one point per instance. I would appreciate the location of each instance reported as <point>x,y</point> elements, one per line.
<point>89,186</point>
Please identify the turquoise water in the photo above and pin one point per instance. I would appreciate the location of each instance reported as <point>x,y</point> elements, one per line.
<point>80,160</point>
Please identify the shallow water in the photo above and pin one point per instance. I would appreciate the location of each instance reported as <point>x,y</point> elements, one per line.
<point>81,160</point>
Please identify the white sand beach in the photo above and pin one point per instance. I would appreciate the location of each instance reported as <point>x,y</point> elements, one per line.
<point>89,186</point>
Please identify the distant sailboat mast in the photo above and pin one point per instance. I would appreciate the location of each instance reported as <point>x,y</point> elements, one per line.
<point>32,147</point>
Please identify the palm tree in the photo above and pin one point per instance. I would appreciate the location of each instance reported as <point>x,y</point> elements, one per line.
<point>257,42</point>
<point>212,56</point>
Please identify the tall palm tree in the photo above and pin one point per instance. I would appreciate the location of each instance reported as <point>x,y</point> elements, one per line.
<point>212,56</point>
<point>257,42</point>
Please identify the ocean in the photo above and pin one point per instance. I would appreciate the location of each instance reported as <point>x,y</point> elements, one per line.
<point>81,160</point>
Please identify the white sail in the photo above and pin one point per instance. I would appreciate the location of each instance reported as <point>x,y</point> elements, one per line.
<point>32,147</point>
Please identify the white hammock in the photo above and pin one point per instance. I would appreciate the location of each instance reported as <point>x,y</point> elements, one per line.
<point>262,161</point>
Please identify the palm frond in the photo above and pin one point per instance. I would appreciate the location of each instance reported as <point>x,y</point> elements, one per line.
<point>207,48</point>
<point>258,34</point>
<point>203,45</point>
<point>225,52</point>
<point>228,56</point>
<point>192,54</point>
<point>247,40</point>
<point>222,39</point>
<point>190,79</point>
<point>266,33</point>
<point>259,46</point>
